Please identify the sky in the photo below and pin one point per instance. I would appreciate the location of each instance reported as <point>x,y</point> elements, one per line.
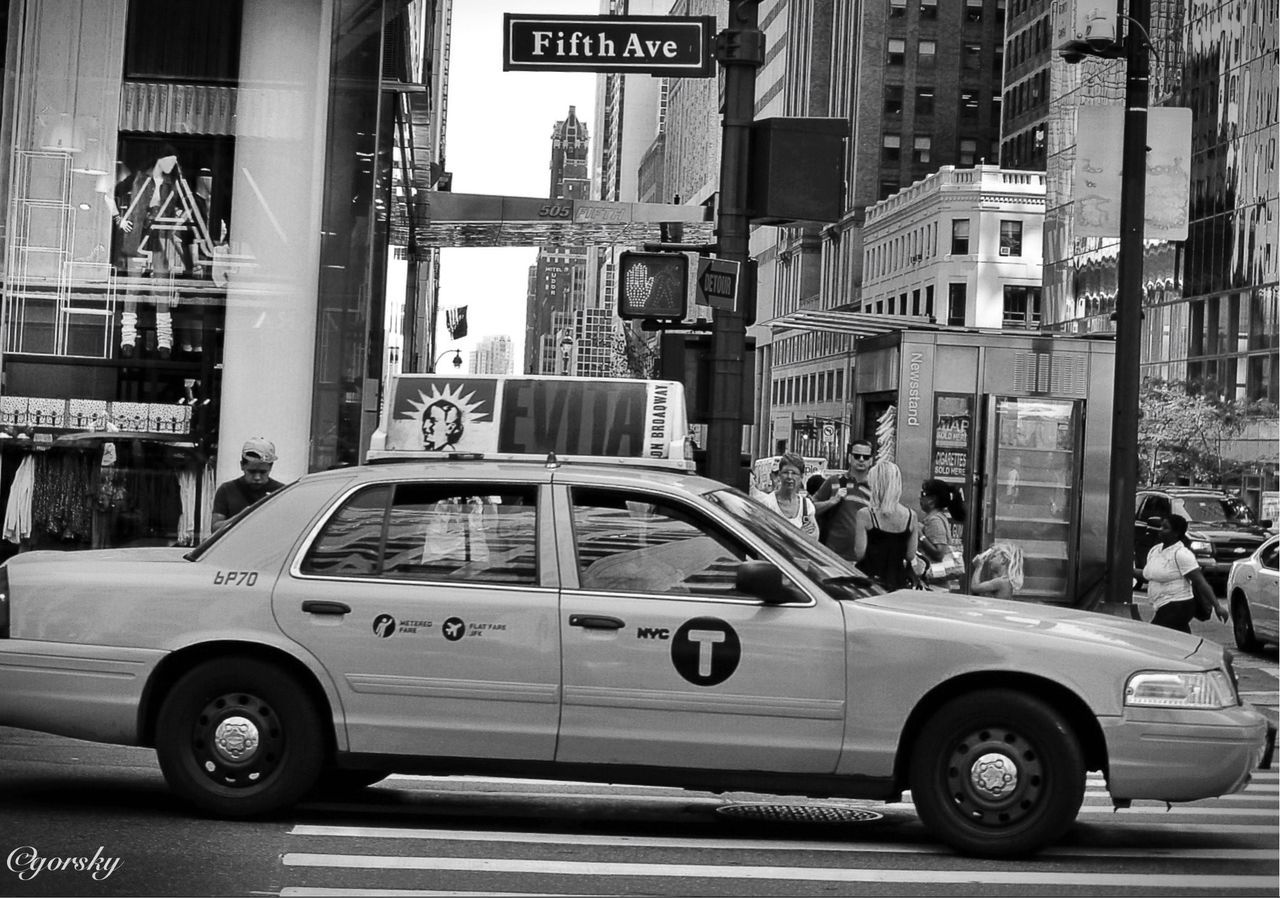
<point>498,141</point>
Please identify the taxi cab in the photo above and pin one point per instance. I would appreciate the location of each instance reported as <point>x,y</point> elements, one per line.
<point>605,622</point>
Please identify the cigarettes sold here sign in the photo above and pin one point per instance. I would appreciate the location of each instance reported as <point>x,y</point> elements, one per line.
<point>657,45</point>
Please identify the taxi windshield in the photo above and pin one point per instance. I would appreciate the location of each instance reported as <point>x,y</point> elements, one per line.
<point>838,577</point>
<point>203,546</point>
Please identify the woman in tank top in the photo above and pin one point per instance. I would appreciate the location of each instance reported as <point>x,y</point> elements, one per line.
<point>886,533</point>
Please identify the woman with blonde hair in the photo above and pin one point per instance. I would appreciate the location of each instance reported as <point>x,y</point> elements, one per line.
<point>886,534</point>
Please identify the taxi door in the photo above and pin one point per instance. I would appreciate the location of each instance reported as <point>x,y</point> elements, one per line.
<point>425,602</point>
<point>665,663</point>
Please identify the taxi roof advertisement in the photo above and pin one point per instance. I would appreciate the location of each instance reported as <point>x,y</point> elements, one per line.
<point>615,419</point>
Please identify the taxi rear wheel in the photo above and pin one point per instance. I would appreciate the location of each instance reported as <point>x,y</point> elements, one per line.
<point>239,737</point>
<point>997,774</point>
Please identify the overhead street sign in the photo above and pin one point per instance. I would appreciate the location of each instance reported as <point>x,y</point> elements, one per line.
<point>718,283</point>
<point>676,46</point>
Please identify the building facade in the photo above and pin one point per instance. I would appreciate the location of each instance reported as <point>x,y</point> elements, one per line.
<point>493,355</point>
<point>195,246</point>
<point>1210,303</point>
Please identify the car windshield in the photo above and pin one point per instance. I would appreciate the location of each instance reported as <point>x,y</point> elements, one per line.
<point>1215,510</point>
<point>838,577</point>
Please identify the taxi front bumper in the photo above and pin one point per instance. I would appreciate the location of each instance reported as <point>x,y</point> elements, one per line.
<point>1177,755</point>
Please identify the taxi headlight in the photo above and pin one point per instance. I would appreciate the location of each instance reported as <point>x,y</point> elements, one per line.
<point>1207,689</point>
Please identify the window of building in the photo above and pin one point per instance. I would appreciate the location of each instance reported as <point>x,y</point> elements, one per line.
<point>969,104</point>
<point>927,52</point>
<point>897,9</point>
<point>1021,307</point>
<point>956,302</point>
<point>968,152</point>
<point>928,300</point>
<point>928,9</point>
<point>973,10</point>
<point>972,55</point>
<point>889,186</point>
<point>924,100</point>
<point>959,236</point>
<point>920,151</point>
<point>893,100</point>
<point>897,51</point>
<point>1010,238</point>
<point>915,302</point>
<point>891,150</point>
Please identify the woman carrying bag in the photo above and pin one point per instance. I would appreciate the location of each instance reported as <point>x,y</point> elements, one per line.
<point>942,508</point>
<point>1174,579</point>
<point>789,500</point>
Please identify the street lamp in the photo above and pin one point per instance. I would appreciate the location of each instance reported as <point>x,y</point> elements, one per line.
<point>1100,42</point>
<point>457,358</point>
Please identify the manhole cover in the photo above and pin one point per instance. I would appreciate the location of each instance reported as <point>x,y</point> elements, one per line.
<point>800,813</point>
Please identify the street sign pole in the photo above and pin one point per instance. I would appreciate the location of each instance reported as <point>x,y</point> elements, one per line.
<point>740,49</point>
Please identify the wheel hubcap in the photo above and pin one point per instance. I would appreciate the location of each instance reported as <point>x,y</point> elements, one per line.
<point>237,740</point>
<point>995,777</point>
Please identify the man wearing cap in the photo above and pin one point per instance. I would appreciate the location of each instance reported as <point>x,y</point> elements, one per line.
<point>254,482</point>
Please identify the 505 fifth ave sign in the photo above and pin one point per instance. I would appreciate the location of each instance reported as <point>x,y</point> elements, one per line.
<point>656,45</point>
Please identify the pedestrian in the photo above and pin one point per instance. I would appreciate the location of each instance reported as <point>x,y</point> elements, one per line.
<point>1174,578</point>
<point>256,458</point>
<point>788,499</point>
<point>886,534</point>
<point>997,572</point>
<point>942,511</point>
<point>840,497</point>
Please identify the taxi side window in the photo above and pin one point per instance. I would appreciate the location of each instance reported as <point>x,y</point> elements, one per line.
<point>350,542</point>
<point>468,532</point>
<point>633,543</point>
<point>429,531</point>
<point>1269,557</point>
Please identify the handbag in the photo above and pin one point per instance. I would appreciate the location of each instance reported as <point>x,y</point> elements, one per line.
<point>950,567</point>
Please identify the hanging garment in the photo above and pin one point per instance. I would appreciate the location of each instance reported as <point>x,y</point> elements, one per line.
<point>187,496</point>
<point>17,514</point>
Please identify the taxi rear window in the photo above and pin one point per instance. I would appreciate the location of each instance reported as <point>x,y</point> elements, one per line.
<point>431,531</point>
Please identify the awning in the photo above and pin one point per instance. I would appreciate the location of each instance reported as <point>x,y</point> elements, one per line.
<point>859,324</point>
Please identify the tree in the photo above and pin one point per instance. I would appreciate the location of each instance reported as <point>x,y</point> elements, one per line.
<point>1184,430</point>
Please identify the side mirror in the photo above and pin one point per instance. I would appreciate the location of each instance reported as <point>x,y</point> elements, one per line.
<point>761,579</point>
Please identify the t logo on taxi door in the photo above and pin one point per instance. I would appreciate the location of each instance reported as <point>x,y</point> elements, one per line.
<point>705,651</point>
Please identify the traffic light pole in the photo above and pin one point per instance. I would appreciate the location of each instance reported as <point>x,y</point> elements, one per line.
<point>1129,296</point>
<point>740,49</point>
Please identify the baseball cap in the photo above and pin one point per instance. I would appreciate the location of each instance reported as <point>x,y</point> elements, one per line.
<point>258,449</point>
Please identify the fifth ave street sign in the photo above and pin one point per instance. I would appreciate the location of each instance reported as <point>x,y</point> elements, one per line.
<point>678,46</point>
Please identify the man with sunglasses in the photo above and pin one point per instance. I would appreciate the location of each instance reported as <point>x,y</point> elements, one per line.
<point>840,497</point>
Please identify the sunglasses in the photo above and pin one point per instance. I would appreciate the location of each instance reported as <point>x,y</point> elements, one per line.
<point>859,455</point>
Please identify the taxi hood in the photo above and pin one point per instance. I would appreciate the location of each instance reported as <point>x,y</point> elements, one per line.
<point>1031,621</point>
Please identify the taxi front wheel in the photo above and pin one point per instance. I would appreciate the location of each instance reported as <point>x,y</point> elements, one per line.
<point>239,737</point>
<point>997,774</point>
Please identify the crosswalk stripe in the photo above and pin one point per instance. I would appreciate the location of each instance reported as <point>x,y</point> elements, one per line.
<point>847,846</point>
<point>1059,878</point>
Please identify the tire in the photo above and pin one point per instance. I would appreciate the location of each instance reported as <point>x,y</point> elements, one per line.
<point>240,700</point>
<point>1004,733</point>
<point>1242,624</point>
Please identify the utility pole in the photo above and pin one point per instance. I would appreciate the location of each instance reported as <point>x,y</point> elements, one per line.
<point>1129,296</point>
<point>740,49</point>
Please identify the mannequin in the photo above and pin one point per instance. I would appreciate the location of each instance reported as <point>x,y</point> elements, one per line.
<point>151,247</point>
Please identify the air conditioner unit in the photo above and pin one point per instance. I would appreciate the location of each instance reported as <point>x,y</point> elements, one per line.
<point>1004,250</point>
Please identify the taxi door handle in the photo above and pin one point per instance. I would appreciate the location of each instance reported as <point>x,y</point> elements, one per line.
<point>315,607</point>
<point>595,622</point>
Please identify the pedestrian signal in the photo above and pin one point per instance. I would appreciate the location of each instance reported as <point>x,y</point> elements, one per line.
<point>653,285</point>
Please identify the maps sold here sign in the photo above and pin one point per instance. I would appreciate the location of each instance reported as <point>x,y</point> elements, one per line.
<point>678,46</point>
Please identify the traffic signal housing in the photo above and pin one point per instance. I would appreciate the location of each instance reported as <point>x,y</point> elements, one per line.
<point>653,285</point>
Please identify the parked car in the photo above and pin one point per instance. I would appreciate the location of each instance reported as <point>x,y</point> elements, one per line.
<point>602,622</point>
<point>1222,529</point>
<point>1253,590</point>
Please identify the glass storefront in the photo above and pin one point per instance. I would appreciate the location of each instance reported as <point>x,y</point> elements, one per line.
<point>177,172</point>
